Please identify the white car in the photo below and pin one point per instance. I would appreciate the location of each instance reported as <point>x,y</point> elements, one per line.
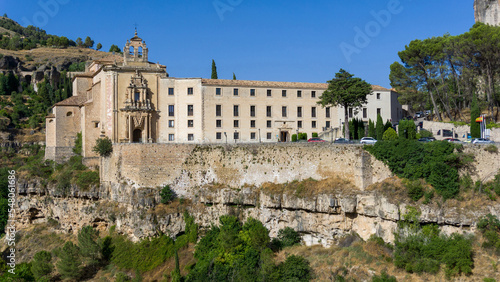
<point>482,141</point>
<point>368,140</point>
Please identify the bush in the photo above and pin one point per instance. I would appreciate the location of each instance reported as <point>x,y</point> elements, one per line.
<point>85,179</point>
<point>103,147</point>
<point>294,137</point>
<point>41,266</point>
<point>302,136</point>
<point>390,134</point>
<point>288,237</point>
<point>167,195</point>
<point>491,148</point>
<point>407,129</point>
<point>77,149</point>
<point>415,189</point>
<point>314,134</point>
<point>384,277</point>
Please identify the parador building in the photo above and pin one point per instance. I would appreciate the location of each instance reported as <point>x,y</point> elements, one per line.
<point>136,101</point>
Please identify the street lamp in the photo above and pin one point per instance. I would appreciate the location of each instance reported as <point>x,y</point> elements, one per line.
<point>225,135</point>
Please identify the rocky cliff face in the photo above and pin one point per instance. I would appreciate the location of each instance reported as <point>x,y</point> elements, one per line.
<point>487,11</point>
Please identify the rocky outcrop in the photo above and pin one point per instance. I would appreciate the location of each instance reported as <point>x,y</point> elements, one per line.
<point>487,11</point>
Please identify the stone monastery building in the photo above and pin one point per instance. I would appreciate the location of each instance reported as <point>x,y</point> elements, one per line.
<point>136,101</point>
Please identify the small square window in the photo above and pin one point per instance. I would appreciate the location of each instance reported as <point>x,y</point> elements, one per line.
<point>235,91</point>
<point>190,123</point>
<point>313,94</point>
<point>252,123</point>
<point>218,91</point>
<point>313,124</point>
<point>171,123</point>
<point>170,91</point>
<point>190,137</point>
<point>236,123</point>
<point>327,125</point>
<point>171,137</point>
<point>252,135</point>
<point>218,123</point>
<point>96,124</point>
<point>218,135</point>
<point>190,90</point>
<point>269,92</point>
<point>268,123</point>
<point>236,135</point>
<point>252,92</point>
<point>299,124</point>
<point>299,93</point>
<point>269,136</point>
<point>283,93</point>
<point>378,96</point>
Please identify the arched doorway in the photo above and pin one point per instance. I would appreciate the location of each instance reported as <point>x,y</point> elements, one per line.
<point>137,136</point>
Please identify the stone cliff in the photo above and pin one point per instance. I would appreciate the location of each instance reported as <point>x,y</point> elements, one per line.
<point>347,193</point>
<point>487,11</point>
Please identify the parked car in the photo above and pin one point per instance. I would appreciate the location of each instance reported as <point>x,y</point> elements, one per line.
<point>419,114</point>
<point>453,140</point>
<point>316,139</point>
<point>428,112</point>
<point>342,141</point>
<point>427,139</point>
<point>368,140</point>
<point>482,141</point>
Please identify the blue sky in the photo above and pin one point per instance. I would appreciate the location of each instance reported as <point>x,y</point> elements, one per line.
<point>285,40</point>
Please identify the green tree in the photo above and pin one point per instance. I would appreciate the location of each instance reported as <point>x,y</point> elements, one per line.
<point>69,263</point>
<point>167,195</point>
<point>176,273</point>
<point>89,43</point>
<point>41,266</point>
<point>407,129</point>
<point>371,129</point>
<point>79,42</point>
<point>475,112</point>
<point>214,70</point>
<point>103,147</point>
<point>234,76</point>
<point>390,134</point>
<point>88,244</point>
<point>379,128</point>
<point>98,46</point>
<point>114,48</point>
<point>347,91</point>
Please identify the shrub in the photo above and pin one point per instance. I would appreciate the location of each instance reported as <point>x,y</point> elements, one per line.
<point>415,189</point>
<point>491,148</point>
<point>390,134</point>
<point>85,179</point>
<point>314,134</point>
<point>288,237</point>
<point>77,149</point>
<point>384,277</point>
<point>41,266</point>
<point>167,195</point>
<point>425,133</point>
<point>302,136</point>
<point>294,137</point>
<point>407,129</point>
<point>103,147</point>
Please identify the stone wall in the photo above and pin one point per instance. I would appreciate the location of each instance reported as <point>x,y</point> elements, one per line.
<point>186,167</point>
<point>459,131</point>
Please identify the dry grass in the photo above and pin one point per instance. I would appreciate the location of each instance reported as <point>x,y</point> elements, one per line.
<point>173,207</point>
<point>311,187</point>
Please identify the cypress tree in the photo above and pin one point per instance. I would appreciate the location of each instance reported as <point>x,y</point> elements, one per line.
<point>234,76</point>
<point>379,127</point>
<point>214,70</point>
<point>475,112</point>
<point>361,129</point>
<point>371,129</point>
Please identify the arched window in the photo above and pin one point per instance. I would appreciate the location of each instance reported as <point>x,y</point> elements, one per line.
<point>140,51</point>
<point>131,50</point>
<point>68,114</point>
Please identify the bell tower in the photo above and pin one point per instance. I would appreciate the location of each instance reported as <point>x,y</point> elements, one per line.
<point>135,50</point>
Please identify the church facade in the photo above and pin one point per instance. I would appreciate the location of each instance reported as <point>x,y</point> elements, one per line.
<point>136,101</point>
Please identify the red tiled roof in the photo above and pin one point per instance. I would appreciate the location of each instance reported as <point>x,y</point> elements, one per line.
<point>72,101</point>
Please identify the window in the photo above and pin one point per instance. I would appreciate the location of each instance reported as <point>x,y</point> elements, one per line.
<point>170,110</point>
<point>190,90</point>
<point>252,111</point>
<point>313,124</point>
<point>299,111</point>
<point>299,93</point>
<point>236,111</point>
<point>269,136</point>
<point>171,91</point>
<point>137,96</point>
<point>190,110</point>
<point>190,137</point>
<point>252,123</point>
<point>283,111</point>
<point>96,124</point>
<point>218,91</point>
<point>378,96</point>
<point>235,91</point>
<point>218,123</point>
<point>218,110</point>
<point>365,113</point>
<point>268,124</point>
<point>252,92</point>
<point>236,135</point>
<point>171,123</point>
<point>350,112</point>
<point>171,137</point>
<point>252,135</point>
<point>268,111</point>
<point>283,93</point>
<point>236,123</point>
<point>379,111</point>
<point>313,112</point>
<point>299,124</point>
<point>190,123</point>
<point>327,112</point>
<point>218,135</point>
<point>327,124</point>
<point>313,94</point>
<point>269,92</point>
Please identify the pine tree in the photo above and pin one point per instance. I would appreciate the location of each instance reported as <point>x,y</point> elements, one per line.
<point>379,128</point>
<point>176,273</point>
<point>41,265</point>
<point>79,42</point>
<point>475,112</point>
<point>234,76</point>
<point>69,265</point>
<point>87,242</point>
<point>89,43</point>
<point>214,70</point>
<point>99,46</point>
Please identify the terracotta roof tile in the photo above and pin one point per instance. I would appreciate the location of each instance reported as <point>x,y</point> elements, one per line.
<point>72,101</point>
